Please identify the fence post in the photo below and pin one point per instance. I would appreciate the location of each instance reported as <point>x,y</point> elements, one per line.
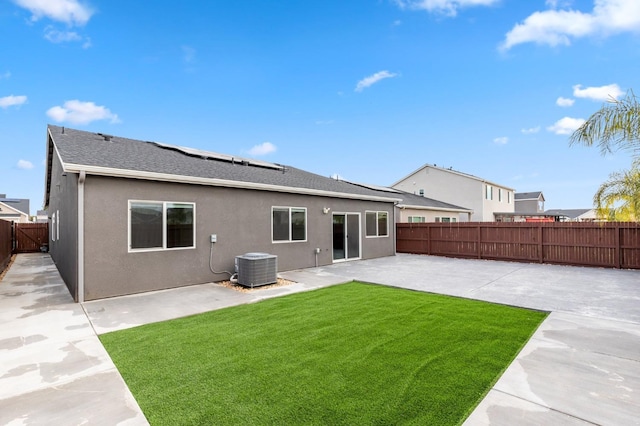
<point>428,232</point>
<point>617,258</point>
<point>540,243</point>
<point>479,241</point>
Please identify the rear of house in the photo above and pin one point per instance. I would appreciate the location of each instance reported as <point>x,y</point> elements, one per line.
<point>130,216</point>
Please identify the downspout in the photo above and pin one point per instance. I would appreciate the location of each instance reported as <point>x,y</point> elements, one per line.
<point>395,229</point>
<point>81,180</point>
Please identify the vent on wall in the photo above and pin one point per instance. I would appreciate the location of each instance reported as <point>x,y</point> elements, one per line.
<point>257,269</point>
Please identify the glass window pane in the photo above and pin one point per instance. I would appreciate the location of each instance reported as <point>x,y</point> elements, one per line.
<point>382,224</point>
<point>298,224</point>
<point>280,224</point>
<point>146,225</point>
<point>371,223</point>
<point>179,225</point>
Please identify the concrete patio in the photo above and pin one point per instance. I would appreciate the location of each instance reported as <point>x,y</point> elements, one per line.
<point>582,366</point>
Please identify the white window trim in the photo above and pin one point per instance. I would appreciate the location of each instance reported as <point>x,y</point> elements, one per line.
<point>377,212</point>
<point>306,225</point>
<point>53,226</point>
<point>164,226</point>
<point>57,225</point>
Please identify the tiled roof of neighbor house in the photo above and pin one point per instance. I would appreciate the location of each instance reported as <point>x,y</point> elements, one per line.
<point>528,195</point>
<point>570,213</point>
<point>108,155</point>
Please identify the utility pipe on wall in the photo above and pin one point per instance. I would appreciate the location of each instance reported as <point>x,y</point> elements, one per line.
<point>81,178</point>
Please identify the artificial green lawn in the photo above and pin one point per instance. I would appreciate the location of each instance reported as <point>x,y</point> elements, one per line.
<point>349,354</point>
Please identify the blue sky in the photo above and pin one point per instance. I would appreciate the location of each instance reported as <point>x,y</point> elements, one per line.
<point>366,89</point>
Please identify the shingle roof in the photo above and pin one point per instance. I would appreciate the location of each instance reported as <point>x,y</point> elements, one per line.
<point>20,204</point>
<point>414,200</point>
<point>570,213</point>
<point>528,195</point>
<point>112,155</point>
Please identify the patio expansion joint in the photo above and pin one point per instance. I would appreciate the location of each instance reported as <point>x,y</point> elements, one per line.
<point>494,280</point>
<point>544,406</point>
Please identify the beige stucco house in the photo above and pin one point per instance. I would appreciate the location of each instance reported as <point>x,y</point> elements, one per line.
<point>480,196</point>
<point>14,209</point>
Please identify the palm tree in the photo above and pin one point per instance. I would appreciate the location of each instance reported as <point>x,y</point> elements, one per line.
<point>613,127</point>
<point>619,197</point>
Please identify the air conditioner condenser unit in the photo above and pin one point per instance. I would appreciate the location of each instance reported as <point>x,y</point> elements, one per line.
<point>257,269</point>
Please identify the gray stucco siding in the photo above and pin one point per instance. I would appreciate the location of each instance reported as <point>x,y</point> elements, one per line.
<point>240,218</point>
<point>64,203</point>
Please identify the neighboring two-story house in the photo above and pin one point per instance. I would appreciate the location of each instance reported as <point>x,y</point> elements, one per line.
<point>480,196</point>
<point>529,202</point>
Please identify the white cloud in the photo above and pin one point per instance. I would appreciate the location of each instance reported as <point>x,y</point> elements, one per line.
<point>531,130</point>
<point>77,112</point>
<point>56,36</point>
<point>503,140</point>
<point>373,79</point>
<point>558,27</point>
<point>263,149</point>
<point>11,100</point>
<point>5,75</point>
<point>602,93</point>
<point>24,164</point>
<point>188,54</point>
<point>565,102</point>
<point>566,125</point>
<point>71,12</point>
<point>444,7</point>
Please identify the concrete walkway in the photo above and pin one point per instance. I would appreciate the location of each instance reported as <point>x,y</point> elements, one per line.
<point>53,368</point>
<point>582,366</point>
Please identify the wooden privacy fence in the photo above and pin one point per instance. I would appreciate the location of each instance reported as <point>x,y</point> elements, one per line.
<point>603,244</point>
<point>6,243</point>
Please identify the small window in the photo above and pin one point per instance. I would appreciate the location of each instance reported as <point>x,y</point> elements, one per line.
<point>289,224</point>
<point>416,219</point>
<point>489,192</point>
<point>508,197</point>
<point>161,225</point>
<point>422,192</point>
<point>446,220</point>
<point>53,227</point>
<point>500,194</point>
<point>377,224</point>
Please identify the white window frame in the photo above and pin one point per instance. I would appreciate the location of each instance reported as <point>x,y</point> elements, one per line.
<point>53,226</point>
<point>500,194</point>
<point>412,219</point>
<point>377,212</point>
<point>306,225</point>
<point>164,226</point>
<point>489,192</point>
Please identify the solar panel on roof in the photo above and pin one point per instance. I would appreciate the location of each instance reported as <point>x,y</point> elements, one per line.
<point>217,156</point>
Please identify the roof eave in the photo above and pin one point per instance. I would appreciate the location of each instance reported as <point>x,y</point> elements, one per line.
<point>165,177</point>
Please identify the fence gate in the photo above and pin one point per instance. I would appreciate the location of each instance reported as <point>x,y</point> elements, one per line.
<point>31,237</point>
